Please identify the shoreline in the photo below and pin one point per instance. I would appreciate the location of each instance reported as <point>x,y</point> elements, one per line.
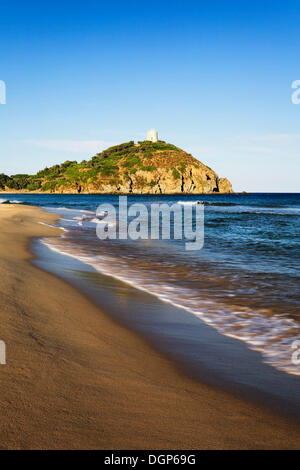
<point>76,379</point>
<point>158,323</point>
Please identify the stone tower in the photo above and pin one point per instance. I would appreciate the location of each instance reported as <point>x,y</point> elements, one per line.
<point>152,135</point>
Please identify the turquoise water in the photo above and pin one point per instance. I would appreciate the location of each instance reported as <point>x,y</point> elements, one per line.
<point>244,282</point>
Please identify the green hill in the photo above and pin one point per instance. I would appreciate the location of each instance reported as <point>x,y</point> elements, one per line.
<point>146,167</point>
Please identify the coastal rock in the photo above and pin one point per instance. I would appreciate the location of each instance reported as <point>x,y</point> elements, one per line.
<point>225,186</point>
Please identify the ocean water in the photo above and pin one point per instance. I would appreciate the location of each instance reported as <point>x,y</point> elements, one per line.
<point>244,282</point>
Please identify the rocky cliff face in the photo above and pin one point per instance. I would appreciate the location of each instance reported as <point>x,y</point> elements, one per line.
<point>224,186</point>
<point>144,168</point>
<point>170,172</point>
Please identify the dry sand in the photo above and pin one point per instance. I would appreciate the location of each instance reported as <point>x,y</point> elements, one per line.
<point>76,379</point>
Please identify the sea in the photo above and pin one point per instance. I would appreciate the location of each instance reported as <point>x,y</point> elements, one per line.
<point>241,288</point>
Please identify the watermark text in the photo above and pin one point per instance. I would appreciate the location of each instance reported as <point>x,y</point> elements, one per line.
<point>2,92</point>
<point>2,352</point>
<point>296,94</point>
<point>155,221</point>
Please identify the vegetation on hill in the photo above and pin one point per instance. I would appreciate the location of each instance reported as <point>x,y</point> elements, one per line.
<point>117,168</point>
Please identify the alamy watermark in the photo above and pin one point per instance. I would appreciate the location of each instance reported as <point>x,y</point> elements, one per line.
<point>296,353</point>
<point>2,352</point>
<point>296,94</point>
<point>141,222</point>
<point>2,92</point>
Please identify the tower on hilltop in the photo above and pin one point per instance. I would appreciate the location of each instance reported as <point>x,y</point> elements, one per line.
<point>152,135</point>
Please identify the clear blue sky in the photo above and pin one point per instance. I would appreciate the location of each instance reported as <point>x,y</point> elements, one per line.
<point>214,78</point>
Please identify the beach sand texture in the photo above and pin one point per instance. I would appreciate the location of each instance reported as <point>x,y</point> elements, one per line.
<point>76,379</point>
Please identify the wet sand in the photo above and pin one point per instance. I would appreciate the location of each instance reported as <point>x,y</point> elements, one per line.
<point>75,378</point>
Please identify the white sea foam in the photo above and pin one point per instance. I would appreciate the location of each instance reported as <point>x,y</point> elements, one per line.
<point>67,209</point>
<point>99,221</point>
<point>272,335</point>
<point>256,210</point>
<point>189,203</point>
<point>54,226</point>
<point>8,201</point>
<point>242,209</point>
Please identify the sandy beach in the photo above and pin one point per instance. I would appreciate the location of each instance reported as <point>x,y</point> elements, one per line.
<point>75,378</point>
